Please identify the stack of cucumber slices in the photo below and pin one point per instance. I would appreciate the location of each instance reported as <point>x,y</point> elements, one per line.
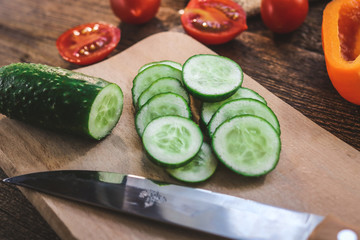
<point>244,133</point>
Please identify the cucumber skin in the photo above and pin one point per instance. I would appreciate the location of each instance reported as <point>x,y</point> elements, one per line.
<point>49,97</point>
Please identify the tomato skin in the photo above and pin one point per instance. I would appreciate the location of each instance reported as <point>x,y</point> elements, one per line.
<point>88,43</point>
<point>221,26</point>
<point>135,11</point>
<point>284,16</point>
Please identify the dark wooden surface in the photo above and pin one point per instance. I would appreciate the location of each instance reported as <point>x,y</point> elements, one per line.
<point>291,66</point>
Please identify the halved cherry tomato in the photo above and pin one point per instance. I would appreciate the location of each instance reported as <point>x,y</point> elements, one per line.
<point>88,43</point>
<point>284,16</point>
<point>135,11</point>
<point>213,21</point>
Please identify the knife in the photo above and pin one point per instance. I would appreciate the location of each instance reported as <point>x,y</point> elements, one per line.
<point>202,210</point>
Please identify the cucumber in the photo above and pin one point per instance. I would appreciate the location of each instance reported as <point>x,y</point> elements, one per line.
<point>248,145</point>
<point>208,109</point>
<point>145,78</point>
<point>211,78</point>
<point>161,105</point>
<point>240,107</point>
<point>172,141</point>
<point>201,167</point>
<point>163,85</point>
<point>244,131</point>
<point>59,99</point>
<point>166,62</point>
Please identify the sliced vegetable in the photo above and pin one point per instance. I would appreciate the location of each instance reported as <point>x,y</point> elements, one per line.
<point>163,104</point>
<point>163,85</point>
<point>213,21</point>
<point>201,167</point>
<point>145,78</point>
<point>172,141</point>
<point>211,77</point>
<point>135,11</point>
<point>166,62</point>
<point>283,16</point>
<point>208,109</point>
<point>341,45</point>
<point>60,99</point>
<point>248,145</point>
<point>88,43</point>
<point>244,131</point>
<point>241,107</point>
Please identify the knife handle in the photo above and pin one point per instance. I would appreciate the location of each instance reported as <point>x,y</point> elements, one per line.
<point>332,228</point>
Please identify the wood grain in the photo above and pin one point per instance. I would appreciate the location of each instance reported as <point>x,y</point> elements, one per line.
<point>306,179</point>
<point>291,66</point>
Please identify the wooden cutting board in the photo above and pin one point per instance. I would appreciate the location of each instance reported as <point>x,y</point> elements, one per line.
<point>317,172</point>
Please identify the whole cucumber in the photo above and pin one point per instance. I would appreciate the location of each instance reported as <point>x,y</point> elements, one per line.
<point>59,99</point>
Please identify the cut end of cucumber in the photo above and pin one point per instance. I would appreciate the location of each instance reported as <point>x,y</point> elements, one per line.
<point>105,111</point>
<point>248,145</point>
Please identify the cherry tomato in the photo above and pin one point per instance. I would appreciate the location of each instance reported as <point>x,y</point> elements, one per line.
<point>213,21</point>
<point>135,11</point>
<point>88,43</point>
<point>284,16</point>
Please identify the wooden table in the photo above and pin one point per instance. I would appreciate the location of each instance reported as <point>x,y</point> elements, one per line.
<point>291,66</point>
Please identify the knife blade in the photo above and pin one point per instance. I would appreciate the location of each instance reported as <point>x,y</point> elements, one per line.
<point>202,210</point>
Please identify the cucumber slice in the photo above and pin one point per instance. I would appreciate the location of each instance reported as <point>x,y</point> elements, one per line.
<point>166,62</point>
<point>59,99</point>
<point>209,109</point>
<point>201,167</point>
<point>211,78</point>
<point>248,145</point>
<point>240,107</point>
<point>172,141</point>
<point>163,104</point>
<point>163,85</point>
<point>145,78</point>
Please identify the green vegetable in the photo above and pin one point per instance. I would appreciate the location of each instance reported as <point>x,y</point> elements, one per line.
<point>248,145</point>
<point>172,141</point>
<point>145,78</point>
<point>211,78</point>
<point>163,85</point>
<point>59,99</point>
<point>201,167</point>
<point>244,131</point>
<point>163,104</point>
<point>240,107</point>
<point>208,109</point>
<point>165,62</point>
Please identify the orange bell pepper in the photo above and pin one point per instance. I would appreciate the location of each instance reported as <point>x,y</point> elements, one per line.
<point>341,45</point>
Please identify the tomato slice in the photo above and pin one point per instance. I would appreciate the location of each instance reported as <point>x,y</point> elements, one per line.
<point>213,21</point>
<point>88,43</point>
